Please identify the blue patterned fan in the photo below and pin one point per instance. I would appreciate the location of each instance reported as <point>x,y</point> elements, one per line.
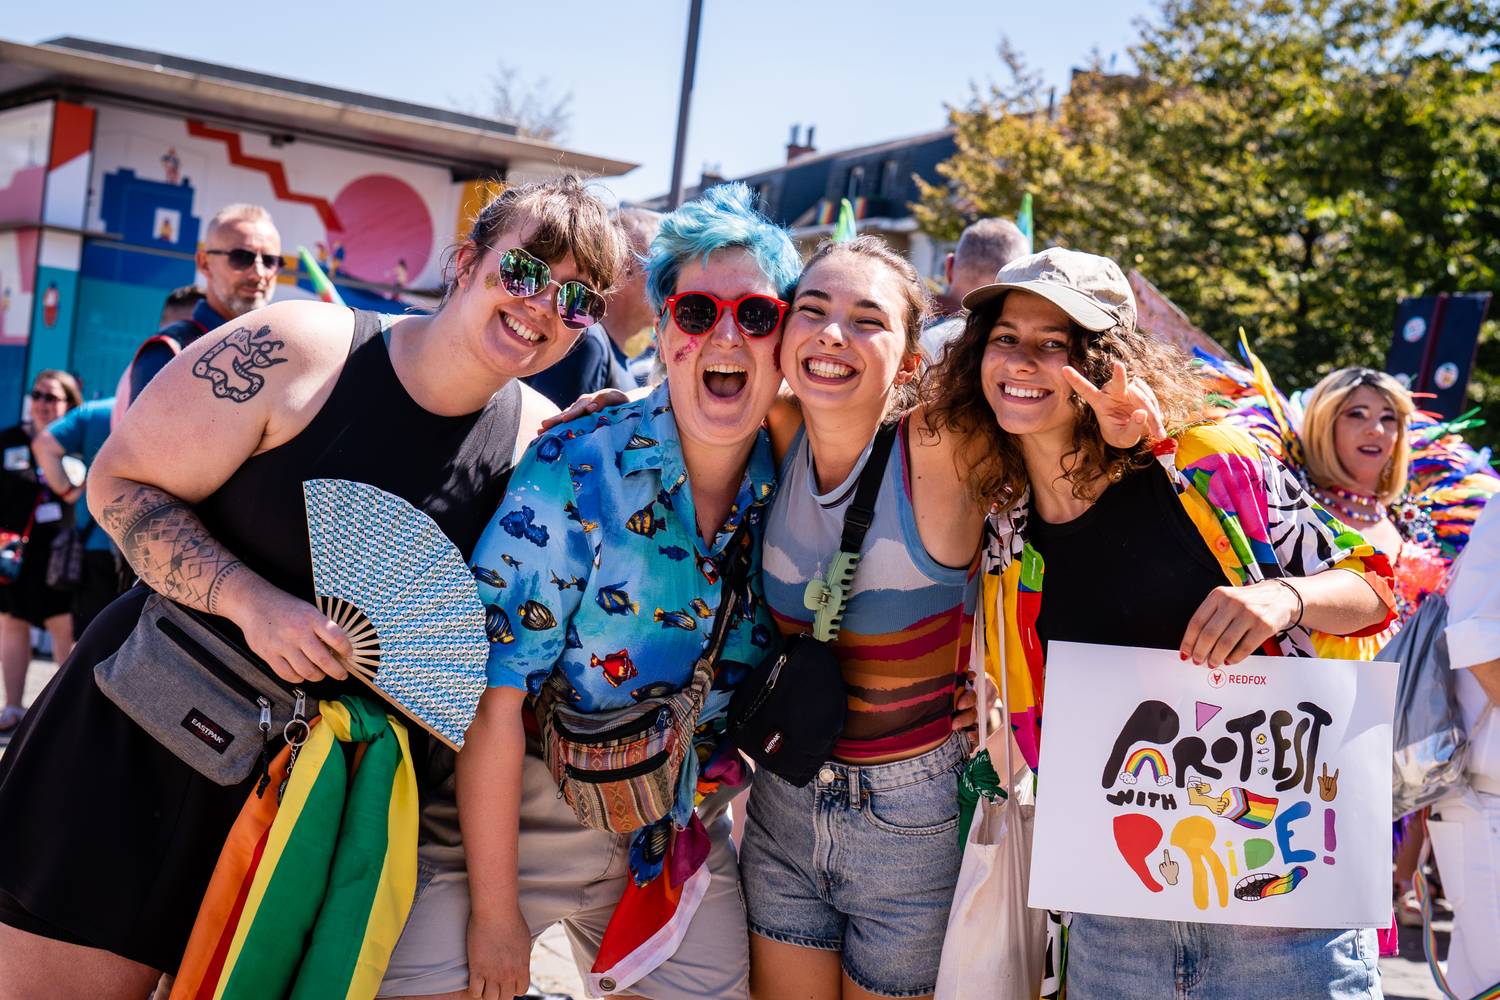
<point>389,577</point>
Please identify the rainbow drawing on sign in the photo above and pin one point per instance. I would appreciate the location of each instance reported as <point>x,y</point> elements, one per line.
<point>1253,812</point>
<point>1265,885</point>
<point>1140,760</point>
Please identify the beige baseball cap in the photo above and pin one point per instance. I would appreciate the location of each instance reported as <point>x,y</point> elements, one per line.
<point>1091,289</point>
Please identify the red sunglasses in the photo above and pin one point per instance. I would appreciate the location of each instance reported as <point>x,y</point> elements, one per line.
<point>697,313</point>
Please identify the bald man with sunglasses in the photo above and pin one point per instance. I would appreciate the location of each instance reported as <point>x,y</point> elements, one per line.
<point>239,259</point>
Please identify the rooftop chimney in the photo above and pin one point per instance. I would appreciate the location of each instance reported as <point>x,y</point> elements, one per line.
<point>796,146</point>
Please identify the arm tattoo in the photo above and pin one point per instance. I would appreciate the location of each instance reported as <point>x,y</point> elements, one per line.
<point>251,350</point>
<point>168,546</point>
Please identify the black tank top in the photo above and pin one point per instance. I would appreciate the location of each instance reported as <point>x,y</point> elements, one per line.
<point>370,431</point>
<point>1129,571</point>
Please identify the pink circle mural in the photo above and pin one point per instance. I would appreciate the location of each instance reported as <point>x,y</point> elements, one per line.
<point>387,231</point>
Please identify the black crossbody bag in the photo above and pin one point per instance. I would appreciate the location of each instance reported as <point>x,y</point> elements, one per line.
<point>790,711</point>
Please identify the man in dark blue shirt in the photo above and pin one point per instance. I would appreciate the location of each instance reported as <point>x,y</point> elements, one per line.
<point>599,359</point>
<point>239,259</point>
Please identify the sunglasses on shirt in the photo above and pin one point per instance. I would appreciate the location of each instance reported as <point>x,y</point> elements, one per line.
<point>578,305</point>
<point>239,260</point>
<point>697,313</point>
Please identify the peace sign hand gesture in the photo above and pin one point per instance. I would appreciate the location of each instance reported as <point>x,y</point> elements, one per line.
<point>1126,407</point>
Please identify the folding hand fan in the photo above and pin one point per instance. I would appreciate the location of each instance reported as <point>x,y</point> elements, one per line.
<point>389,577</point>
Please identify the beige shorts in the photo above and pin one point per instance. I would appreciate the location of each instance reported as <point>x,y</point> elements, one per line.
<point>571,875</point>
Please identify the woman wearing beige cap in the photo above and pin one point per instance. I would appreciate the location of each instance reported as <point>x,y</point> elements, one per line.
<point>1105,488</point>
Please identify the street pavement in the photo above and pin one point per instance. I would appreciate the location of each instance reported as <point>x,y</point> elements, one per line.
<point>555,977</point>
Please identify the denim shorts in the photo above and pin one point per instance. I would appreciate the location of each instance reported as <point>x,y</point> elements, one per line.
<point>863,861</point>
<point>1111,957</point>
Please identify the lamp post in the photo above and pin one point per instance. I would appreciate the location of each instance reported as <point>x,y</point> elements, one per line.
<point>689,61</point>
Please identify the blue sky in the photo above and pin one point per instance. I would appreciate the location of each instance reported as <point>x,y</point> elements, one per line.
<point>860,71</point>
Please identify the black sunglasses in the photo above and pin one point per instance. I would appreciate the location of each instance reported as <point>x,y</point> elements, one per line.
<point>241,259</point>
<point>38,396</point>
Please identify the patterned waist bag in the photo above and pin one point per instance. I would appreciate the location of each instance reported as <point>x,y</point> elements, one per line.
<point>619,770</point>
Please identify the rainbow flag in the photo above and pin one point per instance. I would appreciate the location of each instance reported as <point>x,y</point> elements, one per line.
<point>1023,221</point>
<point>843,230</point>
<point>319,280</point>
<point>311,892</point>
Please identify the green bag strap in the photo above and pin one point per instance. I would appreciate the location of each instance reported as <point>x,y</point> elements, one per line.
<point>827,594</point>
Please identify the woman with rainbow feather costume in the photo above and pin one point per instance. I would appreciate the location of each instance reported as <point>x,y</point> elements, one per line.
<point>1407,479</point>
<point>1104,489</point>
<point>1404,478</point>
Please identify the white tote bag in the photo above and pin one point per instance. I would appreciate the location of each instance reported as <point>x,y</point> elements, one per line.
<point>995,943</point>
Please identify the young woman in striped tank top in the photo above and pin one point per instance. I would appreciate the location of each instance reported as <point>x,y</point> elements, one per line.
<point>848,880</point>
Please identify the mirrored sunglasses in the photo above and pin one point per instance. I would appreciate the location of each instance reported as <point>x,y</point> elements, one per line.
<point>523,276</point>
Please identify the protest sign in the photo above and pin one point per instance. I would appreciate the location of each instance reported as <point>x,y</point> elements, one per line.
<point>1254,794</point>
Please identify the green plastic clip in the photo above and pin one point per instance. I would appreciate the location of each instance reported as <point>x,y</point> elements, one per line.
<point>826,598</point>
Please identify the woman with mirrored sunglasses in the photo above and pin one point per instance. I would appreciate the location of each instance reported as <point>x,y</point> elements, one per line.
<point>110,838</point>
<point>603,573</point>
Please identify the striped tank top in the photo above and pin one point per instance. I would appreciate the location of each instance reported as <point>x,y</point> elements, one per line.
<point>905,630</point>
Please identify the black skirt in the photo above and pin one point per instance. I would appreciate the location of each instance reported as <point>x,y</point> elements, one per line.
<point>105,836</point>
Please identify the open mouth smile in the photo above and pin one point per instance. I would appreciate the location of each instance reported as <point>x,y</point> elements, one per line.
<point>725,380</point>
<point>825,370</point>
<point>521,330</point>
<point>1023,393</point>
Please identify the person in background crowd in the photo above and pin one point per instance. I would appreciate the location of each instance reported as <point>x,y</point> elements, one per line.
<point>630,322</point>
<point>600,359</point>
<point>983,248</point>
<point>239,260</point>
<point>180,305</point>
<point>33,513</point>
<point>1104,478</point>
<point>81,433</point>
<point>1465,829</point>
<point>1410,484</point>
<point>612,588</point>
<point>109,839</point>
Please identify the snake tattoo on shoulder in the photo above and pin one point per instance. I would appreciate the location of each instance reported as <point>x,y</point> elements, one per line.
<point>252,350</point>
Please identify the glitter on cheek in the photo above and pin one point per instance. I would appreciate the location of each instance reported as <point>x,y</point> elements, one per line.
<point>491,280</point>
<point>685,350</point>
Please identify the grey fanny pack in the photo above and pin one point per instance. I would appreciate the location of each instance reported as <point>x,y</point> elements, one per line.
<point>197,693</point>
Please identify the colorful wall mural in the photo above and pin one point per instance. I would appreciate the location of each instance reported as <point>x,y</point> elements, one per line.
<point>102,210</point>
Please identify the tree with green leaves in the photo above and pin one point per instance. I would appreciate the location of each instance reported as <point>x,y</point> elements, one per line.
<point>1290,166</point>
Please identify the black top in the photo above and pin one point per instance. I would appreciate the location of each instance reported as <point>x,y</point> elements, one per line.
<point>1130,571</point>
<point>20,488</point>
<point>370,431</point>
<point>590,366</point>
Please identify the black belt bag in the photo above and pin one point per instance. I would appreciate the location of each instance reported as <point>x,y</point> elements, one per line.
<point>197,693</point>
<point>790,711</point>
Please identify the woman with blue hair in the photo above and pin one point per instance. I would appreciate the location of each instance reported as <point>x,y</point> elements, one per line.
<point>624,539</point>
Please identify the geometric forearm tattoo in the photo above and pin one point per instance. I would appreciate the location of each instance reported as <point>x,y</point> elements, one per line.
<point>168,547</point>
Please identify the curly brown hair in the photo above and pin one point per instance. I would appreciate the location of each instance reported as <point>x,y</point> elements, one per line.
<point>955,402</point>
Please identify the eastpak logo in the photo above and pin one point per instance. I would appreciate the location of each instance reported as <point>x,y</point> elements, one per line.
<point>772,744</point>
<point>207,730</point>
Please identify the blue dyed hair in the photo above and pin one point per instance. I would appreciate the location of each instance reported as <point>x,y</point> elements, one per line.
<point>723,216</point>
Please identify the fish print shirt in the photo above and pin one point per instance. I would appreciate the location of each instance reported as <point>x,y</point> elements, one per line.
<point>593,564</point>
